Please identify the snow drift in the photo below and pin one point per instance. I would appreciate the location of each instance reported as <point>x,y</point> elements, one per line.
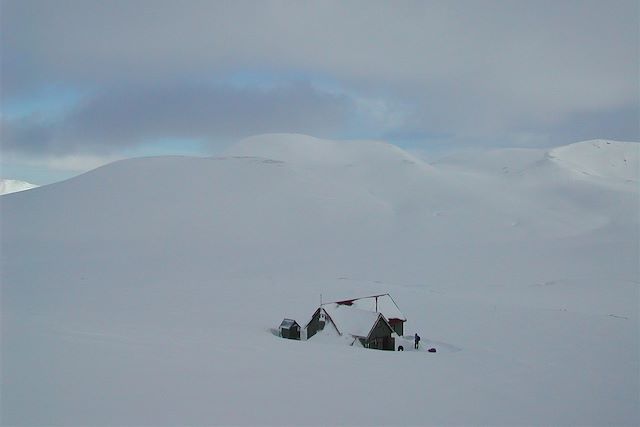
<point>12,186</point>
<point>143,292</point>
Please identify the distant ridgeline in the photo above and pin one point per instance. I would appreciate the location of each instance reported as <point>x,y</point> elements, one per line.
<point>13,186</point>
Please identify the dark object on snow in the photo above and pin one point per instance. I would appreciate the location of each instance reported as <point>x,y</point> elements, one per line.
<point>375,332</point>
<point>290,329</point>
<point>417,340</point>
<point>400,348</point>
<point>432,350</point>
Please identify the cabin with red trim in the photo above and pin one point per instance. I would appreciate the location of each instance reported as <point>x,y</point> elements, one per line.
<point>359,327</point>
<point>362,321</point>
<point>382,303</point>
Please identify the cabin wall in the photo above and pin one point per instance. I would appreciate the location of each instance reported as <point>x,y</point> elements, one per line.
<point>380,330</point>
<point>380,337</point>
<point>314,325</point>
<point>398,326</point>
<point>292,334</point>
<point>381,343</point>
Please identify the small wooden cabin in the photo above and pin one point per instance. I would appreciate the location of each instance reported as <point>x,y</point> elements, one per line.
<point>367,328</point>
<point>382,303</point>
<point>290,329</point>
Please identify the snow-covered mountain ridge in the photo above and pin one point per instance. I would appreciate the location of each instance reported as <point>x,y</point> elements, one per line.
<point>152,283</point>
<point>308,151</point>
<point>614,162</point>
<point>12,186</point>
<point>601,158</point>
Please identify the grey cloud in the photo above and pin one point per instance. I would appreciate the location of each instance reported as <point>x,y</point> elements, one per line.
<point>492,41</point>
<point>622,124</point>
<point>28,135</point>
<point>467,67</point>
<point>131,115</point>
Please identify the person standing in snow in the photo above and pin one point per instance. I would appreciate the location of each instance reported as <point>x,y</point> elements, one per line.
<point>417,341</point>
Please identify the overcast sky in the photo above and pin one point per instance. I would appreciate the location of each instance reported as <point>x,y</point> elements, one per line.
<point>86,82</point>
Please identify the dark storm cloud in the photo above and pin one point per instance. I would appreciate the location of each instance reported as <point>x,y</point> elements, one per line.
<point>29,135</point>
<point>137,114</point>
<point>468,69</point>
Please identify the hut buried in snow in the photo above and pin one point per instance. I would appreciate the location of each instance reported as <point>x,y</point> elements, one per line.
<point>366,328</point>
<point>362,321</point>
<point>290,329</point>
<point>383,304</point>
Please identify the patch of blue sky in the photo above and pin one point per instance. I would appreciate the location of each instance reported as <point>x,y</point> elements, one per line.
<point>49,103</point>
<point>168,147</point>
<point>370,121</point>
<point>364,127</point>
<point>34,173</point>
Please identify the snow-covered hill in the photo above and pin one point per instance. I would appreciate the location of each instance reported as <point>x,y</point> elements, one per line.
<point>607,162</point>
<point>143,292</point>
<point>12,186</point>
<point>610,160</point>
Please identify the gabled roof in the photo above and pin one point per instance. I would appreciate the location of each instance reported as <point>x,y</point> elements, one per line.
<point>382,303</point>
<point>353,321</point>
<point>288,323</point>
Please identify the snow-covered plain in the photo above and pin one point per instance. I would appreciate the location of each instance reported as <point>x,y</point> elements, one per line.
<point>143,292</point>
<point>12,186</point>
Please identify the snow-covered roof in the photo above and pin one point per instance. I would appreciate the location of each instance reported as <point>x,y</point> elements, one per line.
<point>350,320</point>
<point>384,304</point>
<point>288,323</point>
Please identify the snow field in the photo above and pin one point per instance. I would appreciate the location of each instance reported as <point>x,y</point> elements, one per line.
<point>142,293</point>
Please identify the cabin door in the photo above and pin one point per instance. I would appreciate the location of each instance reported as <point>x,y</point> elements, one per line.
<point>388,343</point>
